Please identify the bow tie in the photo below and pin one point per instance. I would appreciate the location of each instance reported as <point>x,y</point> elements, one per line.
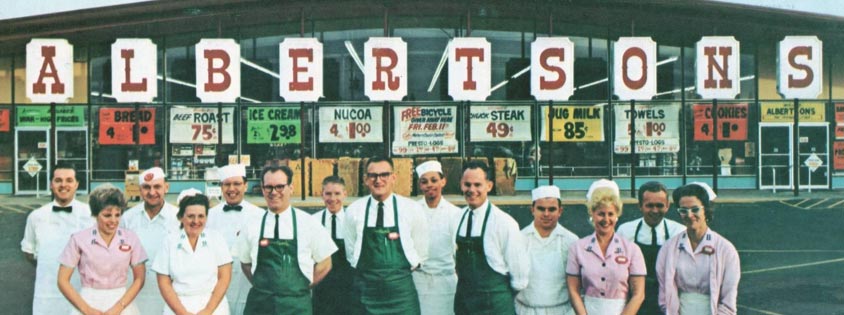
<point>232,208</point>
<point>67,209</point>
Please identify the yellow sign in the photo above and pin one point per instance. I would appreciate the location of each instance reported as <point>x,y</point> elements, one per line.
<point>784,112</point>
<point>574,123</point>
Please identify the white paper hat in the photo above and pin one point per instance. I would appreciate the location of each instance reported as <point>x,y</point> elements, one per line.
<point>151,175</point>
<point>231,170</point>
<point>430,166</point>
<point>545,192</point>
<point>601,183</point>
<point>708,190</point>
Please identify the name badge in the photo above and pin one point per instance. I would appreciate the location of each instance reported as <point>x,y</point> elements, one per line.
<point>393,236</point>
<point>708,249</point>
<point>125,248</point>
<point>621,260</point>
<point>264,242</point>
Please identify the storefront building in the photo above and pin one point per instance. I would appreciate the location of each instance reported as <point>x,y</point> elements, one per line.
<point>170,103</point>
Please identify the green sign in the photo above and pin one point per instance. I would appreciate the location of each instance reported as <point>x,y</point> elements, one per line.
<point>280,125</point>
<point>39,116</point>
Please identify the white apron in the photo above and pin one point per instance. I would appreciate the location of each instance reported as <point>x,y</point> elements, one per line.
<point>238,289</point>
<point>195,303</point>
<point>436,292</point>
<point>695,304</point>
<point>47,299</point>
<point>544,291</point>
<point>104,299</point>
<point>598,306</point>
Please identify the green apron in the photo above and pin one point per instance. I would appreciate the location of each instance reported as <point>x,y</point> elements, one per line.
<point>278,285</point>
<point>480,289</point>
<point>650,252</point>
<point>333,294</point>
<point>383,280</point>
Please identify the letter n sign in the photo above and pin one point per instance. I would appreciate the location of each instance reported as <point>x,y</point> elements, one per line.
<point>49,70</point>
<point>800,67</point>
<point>385,68</point>
<point>718,66</point>
<point>217,70</point>
<point>634,68</point>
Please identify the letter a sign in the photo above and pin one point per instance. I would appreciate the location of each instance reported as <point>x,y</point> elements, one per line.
<point>217,70</point>
<point>49,70</point>
<point>800,68</point>
<point>134,71</point>
<point>634,66</point>
<point>718,67</point>
<point>469,69</point>
<point>385,68</point>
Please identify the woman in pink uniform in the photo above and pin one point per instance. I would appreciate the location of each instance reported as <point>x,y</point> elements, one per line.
<point>103,253</point>
<point>608,268</point>
<point>698,270</point>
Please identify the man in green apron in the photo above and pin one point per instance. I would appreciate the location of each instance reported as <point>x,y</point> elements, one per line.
<point>334,294</point>
<point>649,233</point>
<point>491,262</point>
<point>284,252</point>
<point>386,239</point>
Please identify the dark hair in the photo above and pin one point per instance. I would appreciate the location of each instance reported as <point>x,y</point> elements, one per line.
<point>651,186</point>
<point>475,164</point>
<point>196,200</point>
<point>106,196</point>
<point>379,158</point>
<point>559,203</point>
<point>692,190</point>
<point>64,166</point>
<point>275,168</point>
<point>333,179</point>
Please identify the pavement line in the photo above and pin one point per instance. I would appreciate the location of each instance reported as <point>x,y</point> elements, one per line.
<point>793,266</point>
<point>791,250</point>
<point>801,202</point>
<point>758,310</point>
<point>835,204</point>
<point>817,203</point>
<point>13,209</point>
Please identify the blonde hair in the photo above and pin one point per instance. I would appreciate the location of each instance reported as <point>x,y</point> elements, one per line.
<point>602,197</point>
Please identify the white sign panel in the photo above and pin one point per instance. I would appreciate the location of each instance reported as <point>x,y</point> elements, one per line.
<point>717,66</point>
<point>199,125</point>
<point>469,69</point>
<point>500,123</point>
<point>657,129</point>
<point>552,68</point>
<point>813,162</point>
<point>134,70</point>
<point>49,70</point>
<point>300,67</point>
<point>800,67</point>
<point>217,70</point>
<point>32,167</point>
<point>351,124</point>
<point>424,130</point>
<point>634,68</point>
<point>385,68</point>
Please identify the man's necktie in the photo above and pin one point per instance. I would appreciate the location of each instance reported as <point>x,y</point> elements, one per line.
<point>379,220</point>
<point>469,224</point>
<point>653,236</point>
<point>334,226</point>
<point>276,226</point>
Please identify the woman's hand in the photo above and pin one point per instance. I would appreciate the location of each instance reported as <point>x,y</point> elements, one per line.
<point>205,311</point>
<point>114,310</point>
<point>92,311</point>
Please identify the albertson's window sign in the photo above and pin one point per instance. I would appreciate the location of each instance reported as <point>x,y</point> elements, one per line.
<point>49,69</point>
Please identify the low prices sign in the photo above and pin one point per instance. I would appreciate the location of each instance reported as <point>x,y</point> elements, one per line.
<point>118,126</point>
<point>657,128</point>
<point>39,116</point>
<point>199,125</point>
<point>5,120</point>
<point>839,121</point>
<point>732,122</point>
<point>350,124</point>
<point>573,124</point>
<point>499,123</point>
<point>280,125</point>
<point>425,130</point>
<point>838,155</point>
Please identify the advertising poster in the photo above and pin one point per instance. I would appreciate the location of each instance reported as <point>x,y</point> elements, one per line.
<point>838,155</point>
<point>839,121</point>
<point>4,120</point>
<point>574,123</point>
<point>279,125</point>
<point>199,125</point>
<point>117,126</point>
<point>657,128</point>
<point>39,116</point>
<point>732,122</point>
<point>350,125</point>
<point>784,112</point>
<point>425,130</point>
<point>499,123</point>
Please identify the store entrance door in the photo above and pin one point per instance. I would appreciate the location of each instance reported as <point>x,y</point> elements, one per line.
<point>32,144</point>
<point>72,149</point>
<point>814,147</point>
<point>775,157</point>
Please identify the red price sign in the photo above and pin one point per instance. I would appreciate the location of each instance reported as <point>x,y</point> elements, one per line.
<point>123,125</point>
<point>203,131</point>
<point>355,130</point>
<point>499,130</point>
<point>732,122</point>
<point>4,120</point>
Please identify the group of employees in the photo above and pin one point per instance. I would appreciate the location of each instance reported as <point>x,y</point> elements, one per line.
<point>383,254</point>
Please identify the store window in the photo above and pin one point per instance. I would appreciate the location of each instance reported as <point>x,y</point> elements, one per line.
<point>6,132</point>
<point>736,130</point>
<point>200,137</point>
<point>126,137</point>
<point>273,134</point>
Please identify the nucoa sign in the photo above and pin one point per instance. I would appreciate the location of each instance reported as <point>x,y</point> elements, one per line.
<point>49,69</point>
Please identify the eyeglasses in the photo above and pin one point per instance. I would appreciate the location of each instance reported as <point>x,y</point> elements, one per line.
<point>685,211</point>
<point>269,188</point>
<point>375,176</point>
<point>655,205</point>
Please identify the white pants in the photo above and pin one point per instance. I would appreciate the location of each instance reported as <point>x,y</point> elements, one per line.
<point>695,304</point>
<point>195,303</point>
<point>436,292</point>
<point>104,299</point>
<point>599,306</point>
<point>149,299</point>
<point>238,289</point>
<point>564,309</point>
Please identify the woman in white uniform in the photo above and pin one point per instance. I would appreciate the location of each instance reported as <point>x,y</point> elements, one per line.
<point>194,266</point>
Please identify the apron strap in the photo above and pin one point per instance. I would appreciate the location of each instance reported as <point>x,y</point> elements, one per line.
<point>263,222</point>
<point>463,218</point>
<point>636,234</point>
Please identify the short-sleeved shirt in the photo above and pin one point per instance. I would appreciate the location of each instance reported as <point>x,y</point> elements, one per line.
<point>605,275</point>
<point>193,270</point>
<point>151,231</point>
<point>101,265</point>
<point>229,223</point>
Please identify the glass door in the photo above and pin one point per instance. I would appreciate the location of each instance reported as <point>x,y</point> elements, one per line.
<point>775,156</point>
<point>813,150</point>
<point>32,145</point>
<point>72,149</point>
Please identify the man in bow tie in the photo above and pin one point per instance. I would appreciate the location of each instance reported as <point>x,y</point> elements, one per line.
<point>228,218</point>
<point>48,230</point>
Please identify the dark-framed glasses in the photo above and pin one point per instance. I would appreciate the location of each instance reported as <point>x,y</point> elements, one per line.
<point>376,176</point>
<point>685,211</point>
<point>269,188</point>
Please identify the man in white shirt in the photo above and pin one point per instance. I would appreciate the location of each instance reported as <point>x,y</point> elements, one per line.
<point>229,218</point>
<point>436,281</point>
<point>548,245</point>
<point>152,220</point>
<point>334,294</point>
<point>386,239</point>
<point>47,232</point>
<point>649,233</point>
<point>490,257</point>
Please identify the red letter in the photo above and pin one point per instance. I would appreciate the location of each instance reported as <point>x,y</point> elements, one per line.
<point>392,82</point>
<point>810,75</point>
<point>48,52</point>
<point>561,75</point>
<point>725,52</point>
<point>295,54</point>
<point>210,55</point>
<point>127,85</point>
<point>630,53</point>
<point>469,53</point>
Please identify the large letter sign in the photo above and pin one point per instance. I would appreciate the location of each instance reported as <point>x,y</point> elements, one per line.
<point>300,67</point>
<point>134,67</point>
<point>552,68</point>
<point>385,68</point>
<point>634,66</point>
<point>217,70</point>
<point>718,67</point>
<point>469,69</point>
<point>800,67</point>
<point>49,70</point>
